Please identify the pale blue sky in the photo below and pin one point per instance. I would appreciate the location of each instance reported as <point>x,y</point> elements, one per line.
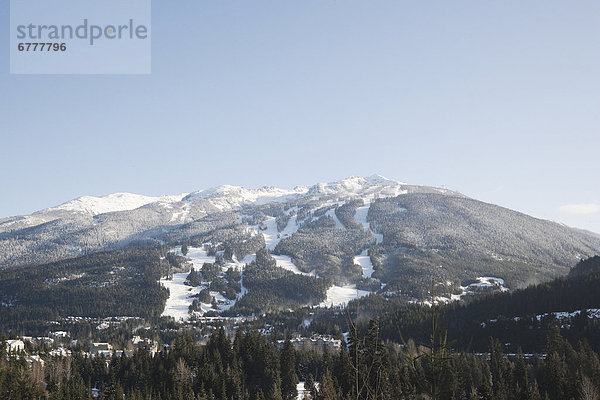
<point>498,100</point>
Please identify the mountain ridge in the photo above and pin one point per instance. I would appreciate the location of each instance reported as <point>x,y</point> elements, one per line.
<point>400,233</point>
<point>126,201</point>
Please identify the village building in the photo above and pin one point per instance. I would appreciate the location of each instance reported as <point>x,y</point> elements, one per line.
<point>14,346</point>
<point>101,349</point>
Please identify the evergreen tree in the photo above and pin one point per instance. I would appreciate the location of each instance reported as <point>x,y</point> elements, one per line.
<point>327,390</point>
<point>289,379</point>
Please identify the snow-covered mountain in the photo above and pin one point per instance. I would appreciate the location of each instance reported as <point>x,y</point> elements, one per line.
<point>383,232</point>
<point>112,203</point>
<point>228,197</point>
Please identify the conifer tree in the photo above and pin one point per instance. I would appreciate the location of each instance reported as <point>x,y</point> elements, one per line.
<point>289,379</point>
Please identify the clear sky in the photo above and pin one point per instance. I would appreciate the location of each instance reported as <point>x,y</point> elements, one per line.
<point>498,100</point>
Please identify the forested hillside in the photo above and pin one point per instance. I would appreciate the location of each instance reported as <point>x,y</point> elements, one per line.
<point>415,236</point>
<point>116,283</point>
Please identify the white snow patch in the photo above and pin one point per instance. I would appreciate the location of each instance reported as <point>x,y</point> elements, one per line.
<point>489,282</point>
<point>378,237</point>
<point>180,297</point>
<point>181,215</point>
<point>198,256</point>
<point>338,223</point>
<point>365,263</point>
<point>285,262</point>
<point>484,284</point>
<point>361,217</point>
<point>302,392</point>
<point>272,235</point>
<point>341,295</point>
<point>248,259</point>
<point>593,313</point>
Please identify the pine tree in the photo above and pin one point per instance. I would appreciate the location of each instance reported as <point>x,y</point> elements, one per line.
<point>310,387</point>
<point>289,379</point>
<point>327,390</point>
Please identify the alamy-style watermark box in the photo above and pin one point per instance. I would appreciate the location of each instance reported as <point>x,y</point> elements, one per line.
<point>80,36</point>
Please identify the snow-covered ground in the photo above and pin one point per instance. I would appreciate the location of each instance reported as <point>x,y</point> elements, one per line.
<point>113,202</point>
<point>489,282</point>
<point>285,262</point>
<point>272,236</point>
<point>181,295</point>
<point>227,197</point>
<point>180,216</point>
<point>365,263</point>
<point>365,187</point>
<point>302,392</point>
<point>248,259</point>
<point>197,255</point>
<point>341,295</point>
<point>338,223</point>
<point>482,284</point>
<point>180,298</point>
<point>593,313</point>
<point>361,217</point>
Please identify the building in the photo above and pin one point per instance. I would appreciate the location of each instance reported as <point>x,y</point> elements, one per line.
<point>145,343</point>
<point>14,346</point>
<point>314,343</point>
<point>101,349</point>
<point>58,334</point>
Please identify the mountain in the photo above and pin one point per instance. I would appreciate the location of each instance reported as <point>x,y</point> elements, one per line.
<point>371,232</point>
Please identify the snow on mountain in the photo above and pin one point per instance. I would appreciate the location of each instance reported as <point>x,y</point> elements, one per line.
<point>228,197</point>
<point>113,202</point>
<point>356,186</point>
<point>365,263</point>
<point>341,295</point>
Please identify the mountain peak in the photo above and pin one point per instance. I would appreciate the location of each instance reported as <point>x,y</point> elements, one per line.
<point>358,186</point>
<point>111,203</point>
<point>228,196</point>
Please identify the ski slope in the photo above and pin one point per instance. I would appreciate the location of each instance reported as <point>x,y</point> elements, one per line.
<point>180,298</point>
<point>361,217</point>
<point>341,295</point>
<point>365,263</point>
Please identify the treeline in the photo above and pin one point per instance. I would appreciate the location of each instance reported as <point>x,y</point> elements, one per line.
<point>250,366</point>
